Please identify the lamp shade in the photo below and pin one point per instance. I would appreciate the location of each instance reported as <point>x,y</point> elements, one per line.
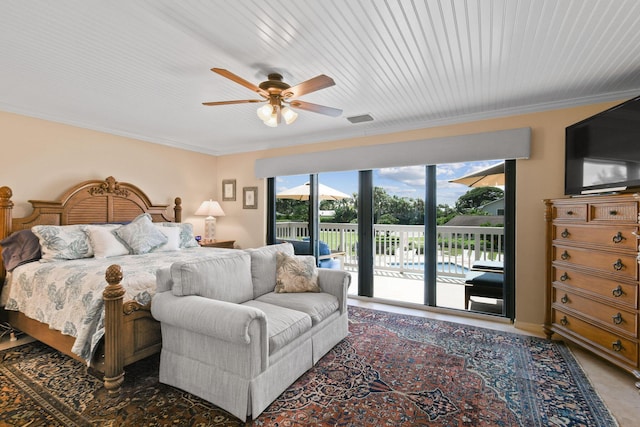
<point>210,208</point>
<point>289,115</point>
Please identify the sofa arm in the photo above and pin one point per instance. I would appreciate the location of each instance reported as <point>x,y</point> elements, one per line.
<point>336,283</point>
<point>220,319</point>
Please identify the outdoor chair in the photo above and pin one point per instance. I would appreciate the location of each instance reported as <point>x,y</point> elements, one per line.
<point>486,279</point>
<point>326,258</point>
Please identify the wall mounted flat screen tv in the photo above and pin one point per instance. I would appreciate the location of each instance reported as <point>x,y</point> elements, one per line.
<point>602,152</point>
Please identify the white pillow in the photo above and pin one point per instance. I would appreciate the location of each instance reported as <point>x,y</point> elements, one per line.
<point>187,240</point>
<point>104,243</point>
<point>173,239</point>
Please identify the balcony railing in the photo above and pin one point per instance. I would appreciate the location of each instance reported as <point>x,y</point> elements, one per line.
<point>400,248</point>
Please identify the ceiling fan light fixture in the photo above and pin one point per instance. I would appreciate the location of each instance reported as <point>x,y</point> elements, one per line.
<point>264,112</point>
<point>289,115</point>
<point>279,96</point>
<point>272,122</point>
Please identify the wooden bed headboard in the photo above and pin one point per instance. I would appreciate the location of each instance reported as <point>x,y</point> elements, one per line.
<point>90,202</point>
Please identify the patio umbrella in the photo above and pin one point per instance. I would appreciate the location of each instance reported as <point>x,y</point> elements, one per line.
<point>493,176</point>
<point>301,192</point>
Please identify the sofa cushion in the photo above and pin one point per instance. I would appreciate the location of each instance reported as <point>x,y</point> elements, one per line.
<point>263,267</point>
<point>225,277</point>
<point>164,282</point>
<point>318,306</point>
<point>283,325</point>
<point>296,273</point>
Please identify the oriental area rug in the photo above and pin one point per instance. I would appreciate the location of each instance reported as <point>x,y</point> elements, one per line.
<point>392,369</point>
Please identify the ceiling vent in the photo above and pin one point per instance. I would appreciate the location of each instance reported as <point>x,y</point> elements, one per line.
<point>360,119</point>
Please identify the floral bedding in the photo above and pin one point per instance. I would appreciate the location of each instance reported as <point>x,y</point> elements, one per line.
<point>67,295</point>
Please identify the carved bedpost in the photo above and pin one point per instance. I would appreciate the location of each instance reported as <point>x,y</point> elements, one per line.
<point>6,207</point>
<point>114,359</point>
<point>177,210</point>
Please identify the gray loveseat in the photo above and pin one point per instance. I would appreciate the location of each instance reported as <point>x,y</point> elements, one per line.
<point>229,339</point>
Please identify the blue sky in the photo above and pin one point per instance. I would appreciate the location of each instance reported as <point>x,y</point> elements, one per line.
<point>402,181</point>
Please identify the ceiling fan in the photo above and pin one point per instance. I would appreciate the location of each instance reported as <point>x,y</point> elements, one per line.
<point>280,96</point>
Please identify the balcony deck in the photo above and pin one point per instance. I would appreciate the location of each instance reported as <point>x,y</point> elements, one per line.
<point>399,259</point>
<point>409,288</point>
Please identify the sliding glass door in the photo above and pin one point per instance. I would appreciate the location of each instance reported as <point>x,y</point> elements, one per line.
<point>470,218</point>
<point>399,237</point>
<point>412,235</point>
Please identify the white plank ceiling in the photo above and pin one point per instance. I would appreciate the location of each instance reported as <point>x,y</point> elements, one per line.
<point>142,68</point>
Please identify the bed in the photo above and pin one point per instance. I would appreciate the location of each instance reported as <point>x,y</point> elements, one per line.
<point>128,332</point>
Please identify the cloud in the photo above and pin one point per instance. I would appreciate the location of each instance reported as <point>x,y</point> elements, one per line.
<point>451,170</point>
<point>404,174</point>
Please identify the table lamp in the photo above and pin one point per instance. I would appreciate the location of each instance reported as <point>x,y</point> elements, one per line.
<point>211,209</point>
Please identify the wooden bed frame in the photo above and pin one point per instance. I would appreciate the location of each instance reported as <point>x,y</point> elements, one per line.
<point>131,334</point>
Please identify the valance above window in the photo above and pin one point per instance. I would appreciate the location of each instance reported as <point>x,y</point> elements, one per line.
<point>505,144</point>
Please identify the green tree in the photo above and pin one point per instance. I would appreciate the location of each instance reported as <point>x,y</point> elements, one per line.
<point>346,210</point>
<point>470,202</point>
<point>444,213</point>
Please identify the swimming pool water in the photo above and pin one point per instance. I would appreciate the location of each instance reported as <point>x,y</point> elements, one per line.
<point>445,267</point>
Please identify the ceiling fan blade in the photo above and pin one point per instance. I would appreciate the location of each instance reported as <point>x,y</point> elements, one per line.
<point>239,101</point>
<point>240,80</point>
<point>311,85</point>
<point>327,111</point>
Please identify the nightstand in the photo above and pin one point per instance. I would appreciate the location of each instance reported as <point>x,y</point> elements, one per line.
<point>219,244</point>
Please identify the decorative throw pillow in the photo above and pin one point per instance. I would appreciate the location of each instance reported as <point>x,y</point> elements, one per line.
<point>187,239</point>
<point>173,239</point>
<point>20,248</point>
<point>296,274</point>
<point>62,242</point>
<point>103,242</point>
<point>140,235</point>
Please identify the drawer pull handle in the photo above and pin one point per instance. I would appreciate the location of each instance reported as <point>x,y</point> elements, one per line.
<point>618,238</point>
<point>565,255</point>
<point>565,233</point>
<point>613,212</point>
<point>617,319</point>
<point>618,265</point>
<point>564,277</point>
<point>564,299</point>
<point>617,292</point>
<point>616,345</point>
<point>569,212</point>
<point>564,321</point>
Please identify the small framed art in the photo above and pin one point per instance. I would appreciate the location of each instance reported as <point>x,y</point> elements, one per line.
<point>250,198</point>
<point>228,190</point>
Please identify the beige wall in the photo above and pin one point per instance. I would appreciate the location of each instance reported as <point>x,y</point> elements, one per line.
<point>540,177</point>
<point>40,159</point>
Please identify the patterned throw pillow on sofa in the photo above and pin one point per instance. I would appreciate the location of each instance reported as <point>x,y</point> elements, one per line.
<point>296,274</point>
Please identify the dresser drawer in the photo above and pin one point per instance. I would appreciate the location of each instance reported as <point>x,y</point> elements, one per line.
<point>613,263</point>
<point>618,238</point>
<point>613,317</point>
<point>614,212</point>
<point>570,212</point>
<point>625,294</point>
<point>619,347</point>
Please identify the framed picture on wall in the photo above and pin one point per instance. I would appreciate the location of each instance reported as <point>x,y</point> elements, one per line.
<point>228,190</point>
<point>250,198</point>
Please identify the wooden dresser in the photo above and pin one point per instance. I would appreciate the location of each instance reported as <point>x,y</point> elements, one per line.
<point>592,274</point>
